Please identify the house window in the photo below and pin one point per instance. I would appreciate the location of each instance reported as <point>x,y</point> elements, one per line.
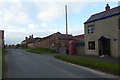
<point>91,45</point>
<point>90,29</point>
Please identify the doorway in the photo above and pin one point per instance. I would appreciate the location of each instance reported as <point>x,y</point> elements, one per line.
<point>104,46</point>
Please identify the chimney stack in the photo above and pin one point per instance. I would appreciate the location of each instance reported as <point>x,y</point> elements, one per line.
<point>2,34</point>
<point>26,38</point>
<point>107,8</point>
<point>32,36</point>
<point>29,37</point>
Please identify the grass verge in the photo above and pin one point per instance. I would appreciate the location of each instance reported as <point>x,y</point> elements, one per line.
<point>98,65</point>
<point>4,63</point>
<point>4,52</point>
<point>41,50</point>
<point>0,63</point>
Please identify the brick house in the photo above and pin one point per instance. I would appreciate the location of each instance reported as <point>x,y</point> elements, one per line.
<point>53,41</point>
<point>1,39</point>
<point>27,41</point>
<point>79,37</point>
<point>102,33</point>
<point>35,43</point>
<point>80,44</point>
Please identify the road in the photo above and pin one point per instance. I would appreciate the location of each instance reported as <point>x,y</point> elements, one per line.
<point>22,64</point>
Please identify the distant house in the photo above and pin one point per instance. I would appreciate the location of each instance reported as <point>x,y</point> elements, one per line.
<point>53,41</point>
<point>1,39</point>
<point>27,41</point>
<point>80,44</point>
<point>35,43</point>
<point>102,33</point>
<point>79,37</point>
<point>80,40</point>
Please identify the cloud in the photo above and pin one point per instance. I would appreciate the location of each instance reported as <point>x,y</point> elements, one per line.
<point>76,31</point>
<point>32,26</point>
<point>60,0</point>
<point>73,29</point>
<point>17,1</point>
<point>11,38</point>
<point>13,13</point>
<point>20,18</point>
<point>50,12</point>
<point>44,25</point>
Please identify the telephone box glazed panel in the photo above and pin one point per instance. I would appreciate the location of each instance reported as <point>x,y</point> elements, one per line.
<point>72,47</point>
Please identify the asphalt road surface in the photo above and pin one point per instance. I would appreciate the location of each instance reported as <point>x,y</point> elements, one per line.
<point>22,64</point>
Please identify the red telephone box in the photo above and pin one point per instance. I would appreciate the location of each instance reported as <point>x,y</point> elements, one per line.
<point>72,47</point>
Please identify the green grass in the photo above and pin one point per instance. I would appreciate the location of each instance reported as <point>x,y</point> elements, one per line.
<point>0,63</point>
<point>4,64</point>
<point>41,50</point>
<point>98,65</point>
<point>4,52</point>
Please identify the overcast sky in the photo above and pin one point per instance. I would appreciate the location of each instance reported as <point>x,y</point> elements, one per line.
<point>21,18</point>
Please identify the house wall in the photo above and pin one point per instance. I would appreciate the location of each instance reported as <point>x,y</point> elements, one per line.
<point>106,27</point>
<point>81,50</point>
<point>36,44</point>
<point>54,42</point>
<point>50,42</point>
<point>119,43</point>
<point>0,43</point>
<point>30,45</point>
<point>1,38</point>
<point>79,37</point>
<point>45,43</point>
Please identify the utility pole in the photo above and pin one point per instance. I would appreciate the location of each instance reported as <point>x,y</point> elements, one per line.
<point>66,28</point>
<point>66,19</point>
